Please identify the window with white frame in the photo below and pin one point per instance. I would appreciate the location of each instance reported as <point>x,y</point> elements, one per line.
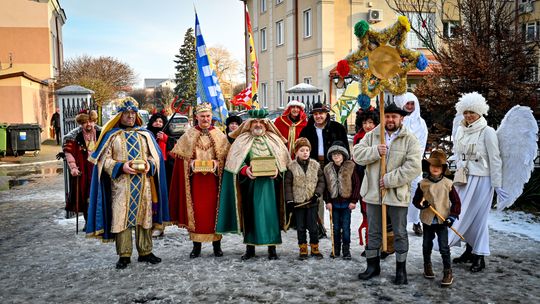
<point>307,23</point>
<point>280,33</point>
<point>263,6</point>
<point>280,85</point>
<point>425,24</point>
<point>533,73</point>
<point>307,80</point>
<point>531,31</point>
<point>262,98</point>
<point>262,36</point>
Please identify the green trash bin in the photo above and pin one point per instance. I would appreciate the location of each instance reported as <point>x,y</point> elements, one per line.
<point>3,139</point>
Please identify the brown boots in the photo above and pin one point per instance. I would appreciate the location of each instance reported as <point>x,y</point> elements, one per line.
<point>447,278</point>
<point>428,271</point>
<point>303,252</point>
<point>315,251</point>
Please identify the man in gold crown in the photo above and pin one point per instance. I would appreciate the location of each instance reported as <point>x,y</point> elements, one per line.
<point>129,190</point>
<point>200,156</point>
<point>78,145</point>
<point>255,164</point>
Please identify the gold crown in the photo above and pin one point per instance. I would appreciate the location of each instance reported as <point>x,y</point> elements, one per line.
<point>203,107</point>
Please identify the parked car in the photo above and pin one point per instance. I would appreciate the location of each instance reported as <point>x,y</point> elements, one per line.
<point>178,125</point>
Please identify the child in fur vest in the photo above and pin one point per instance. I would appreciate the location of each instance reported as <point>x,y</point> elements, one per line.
<point>304,185</point>
<point>437,191</point>
<point>342,194</point>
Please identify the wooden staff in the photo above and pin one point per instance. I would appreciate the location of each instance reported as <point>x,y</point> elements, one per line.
<point>443,219</point>
<point>77,205</point>
<point>332,233</point>
<point>382,172</point>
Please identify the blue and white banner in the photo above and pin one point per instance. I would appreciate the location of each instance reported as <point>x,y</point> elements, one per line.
<point>208,89</point>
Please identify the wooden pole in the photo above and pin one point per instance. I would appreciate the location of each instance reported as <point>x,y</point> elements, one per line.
<point>332,234</point>
<point>382,191</point>
<point>443,219</point>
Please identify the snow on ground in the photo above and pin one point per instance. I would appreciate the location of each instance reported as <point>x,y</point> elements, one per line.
<point>42,260</point>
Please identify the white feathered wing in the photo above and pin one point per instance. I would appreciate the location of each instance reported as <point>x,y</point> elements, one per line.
<point>517,137</point>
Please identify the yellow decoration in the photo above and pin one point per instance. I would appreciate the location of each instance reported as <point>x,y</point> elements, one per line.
<point>376,61</point>
<point>405,22</point>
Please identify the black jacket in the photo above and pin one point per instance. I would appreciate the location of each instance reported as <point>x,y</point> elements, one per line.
<point>332,131</point>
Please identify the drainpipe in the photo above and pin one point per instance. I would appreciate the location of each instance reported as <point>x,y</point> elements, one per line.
<point>296,41</point>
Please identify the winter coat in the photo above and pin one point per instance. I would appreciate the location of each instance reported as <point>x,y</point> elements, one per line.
<point>332,131</point>
<point>403,164</point>
<point>342,183</point>
<point>303,180</point>
<point>479,144</point>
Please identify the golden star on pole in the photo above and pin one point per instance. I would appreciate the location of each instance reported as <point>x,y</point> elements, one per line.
<point>382,60</point>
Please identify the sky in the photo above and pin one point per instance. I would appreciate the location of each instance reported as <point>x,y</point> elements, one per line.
<point>146,34</point>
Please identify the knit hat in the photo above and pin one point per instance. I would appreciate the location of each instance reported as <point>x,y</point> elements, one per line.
<point>301,142</point>
<point>258,113</point>
<point>297,103</point>
<point>85,116</point>
<point>437,158</point>
<point>337,146</point>
<point>473,102</point>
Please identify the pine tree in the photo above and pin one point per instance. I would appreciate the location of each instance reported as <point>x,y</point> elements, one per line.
<point>186,67</point>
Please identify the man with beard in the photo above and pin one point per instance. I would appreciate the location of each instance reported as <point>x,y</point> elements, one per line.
<point>416,124</point>
<point>128,189</point>
<point>194,193</point>
<point>402,153</point>
<point>78,145</point>
<point>291,123</point>
<point>256,207</point>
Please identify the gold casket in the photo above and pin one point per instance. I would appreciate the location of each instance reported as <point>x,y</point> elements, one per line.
<point>263,166</point>
<point>203,166</point>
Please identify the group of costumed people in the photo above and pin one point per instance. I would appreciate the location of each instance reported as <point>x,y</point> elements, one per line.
<point>253,179</point>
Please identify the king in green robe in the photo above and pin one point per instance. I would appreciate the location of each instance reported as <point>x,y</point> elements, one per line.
<point>251,203</point>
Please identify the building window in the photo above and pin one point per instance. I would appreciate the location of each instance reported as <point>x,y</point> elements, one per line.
<point>307,23</point>
<point>425,24</point>
<point>531,31</point>
<point>448,28</point>
<point>262,95</point>
<point>263,6</point>
<point>280,90</point>
<point>533,73</point>
<point>263,39</point>
<point>280,37</point>
<point>307,80</point>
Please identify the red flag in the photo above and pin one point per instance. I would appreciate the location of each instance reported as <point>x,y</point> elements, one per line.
<point>243,98</point>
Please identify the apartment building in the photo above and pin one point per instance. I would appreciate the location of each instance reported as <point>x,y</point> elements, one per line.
<point>31,56</point>
<point>302,41</point>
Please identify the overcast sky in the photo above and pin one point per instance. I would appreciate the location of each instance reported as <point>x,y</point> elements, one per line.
<point>146,34</point>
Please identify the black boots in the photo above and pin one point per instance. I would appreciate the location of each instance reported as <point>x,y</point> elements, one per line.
<point>346,252</point>
<point>217,248</point>
<point>123,262</point>
<point>272,255</point>
<point>337,250</point>
<point>478,263</point>
<point>196,252</point>
<point>373,269</point>
<point>149,258</point>
<point>401,274</point>
<point>466,257</point>
<point>250,253</point>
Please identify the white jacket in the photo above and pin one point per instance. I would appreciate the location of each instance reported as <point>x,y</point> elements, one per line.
<point>479,144</point>
<point>403,165</point>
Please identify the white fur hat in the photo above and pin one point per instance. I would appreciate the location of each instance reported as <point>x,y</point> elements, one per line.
<point>473,102</point>
<point>296,103</point>
<point>401,100</point>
